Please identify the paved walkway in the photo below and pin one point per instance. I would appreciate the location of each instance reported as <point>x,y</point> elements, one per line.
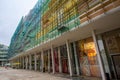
<point>19,74</point>
<point>16,74</point>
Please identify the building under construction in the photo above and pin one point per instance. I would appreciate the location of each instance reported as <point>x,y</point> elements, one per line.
<point>70,37</point>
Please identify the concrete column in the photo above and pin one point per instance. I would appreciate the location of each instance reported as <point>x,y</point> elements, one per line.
<point>26,62</point>
<point>16,61</point>
<point>23,62</point>
<point>11,63</point>
<point>48,61</point>
<point>30,62</point>
<point>69,58</point>
<point>42,61</point>
<point>53,62</point>
<point>19,63</point>
<point>98,56</point>
<point>76,59</point>
<point>35,61</point>
<point>60,62</point>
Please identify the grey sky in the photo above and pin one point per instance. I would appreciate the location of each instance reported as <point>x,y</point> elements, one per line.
<point>11,12</point>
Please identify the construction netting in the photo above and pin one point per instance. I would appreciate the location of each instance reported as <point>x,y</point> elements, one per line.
<point>46,21</point>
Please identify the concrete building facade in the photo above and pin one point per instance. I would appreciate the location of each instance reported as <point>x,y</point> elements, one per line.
<point>75,37</point>
<point>3,55</point>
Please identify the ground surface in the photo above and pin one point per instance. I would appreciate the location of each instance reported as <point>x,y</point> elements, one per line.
<point>17,74</point>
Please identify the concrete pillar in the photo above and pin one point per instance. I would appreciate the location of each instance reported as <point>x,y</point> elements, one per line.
<point>48,60</point>
<point>98,56</point>
<point>23,62</point>
<point>60,62</point>
<point>26,62</point>
<point>11,63</point>
<point>76,59</point>
<point>19,63</point>
<point>69,58</point>
<point>53,62</point>
<point>16,61</point>
<point>35,61</point>
<point>30,62</point>
<point>42,61</point>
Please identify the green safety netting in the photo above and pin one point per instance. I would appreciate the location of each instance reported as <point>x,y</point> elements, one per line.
<point>31,31</point>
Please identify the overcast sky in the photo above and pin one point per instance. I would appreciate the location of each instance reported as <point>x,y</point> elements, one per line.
<point>11,11</point>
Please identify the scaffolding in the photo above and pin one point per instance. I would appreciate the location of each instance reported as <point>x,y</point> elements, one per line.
<point>51,18</point>
<point>57,14</point>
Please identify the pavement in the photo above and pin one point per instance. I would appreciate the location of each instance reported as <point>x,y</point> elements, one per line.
<point>19,74</point>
